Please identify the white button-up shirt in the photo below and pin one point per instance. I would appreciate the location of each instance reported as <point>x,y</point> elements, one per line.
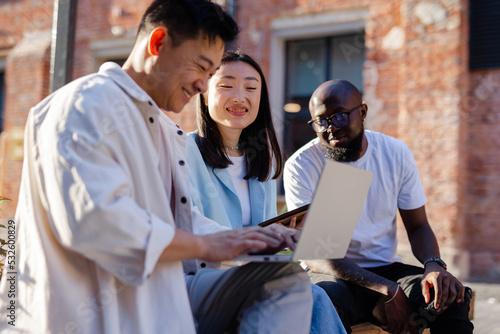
<point>96,210</point>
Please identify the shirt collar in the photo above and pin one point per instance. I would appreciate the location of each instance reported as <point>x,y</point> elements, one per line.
<point>122,79</point>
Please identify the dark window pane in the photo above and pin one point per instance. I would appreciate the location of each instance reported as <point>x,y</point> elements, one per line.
<point>484,41</point>
<point>347,56</point>
<point>306,66</point>
<point>297,132</point>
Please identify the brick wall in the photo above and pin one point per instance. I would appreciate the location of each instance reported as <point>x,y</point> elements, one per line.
<point>416,84</point>
<point>21,17</point>
<point>27,33</point>
<point>430,104</point>
<point>483,166</point>
<point>27,82</point>
<point>25,38</point>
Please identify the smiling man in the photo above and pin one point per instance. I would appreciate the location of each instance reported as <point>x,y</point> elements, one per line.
<point>104,219</point>
<point>415,297</point>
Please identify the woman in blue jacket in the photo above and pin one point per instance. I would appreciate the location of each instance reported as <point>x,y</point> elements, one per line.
<point>234,159</point>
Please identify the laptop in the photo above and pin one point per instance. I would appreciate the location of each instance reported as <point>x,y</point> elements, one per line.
<point>331,216</point>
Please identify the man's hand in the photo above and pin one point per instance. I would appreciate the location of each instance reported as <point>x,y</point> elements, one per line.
<point>398,310</point>
<point>446,287</point>
<point>297,226</point>
<point>228,244</point>
<point>288,236</point>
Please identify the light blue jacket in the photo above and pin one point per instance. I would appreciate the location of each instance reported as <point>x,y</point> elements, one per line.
<point>214,194</point>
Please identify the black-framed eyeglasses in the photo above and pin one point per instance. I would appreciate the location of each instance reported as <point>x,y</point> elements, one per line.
<point>339,120</point>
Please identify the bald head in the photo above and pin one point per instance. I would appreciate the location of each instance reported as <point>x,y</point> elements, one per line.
<point>337,116</point>
<point>333,92</point>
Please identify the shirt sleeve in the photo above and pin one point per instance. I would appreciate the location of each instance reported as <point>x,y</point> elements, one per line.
<point>297,190</point>
<point>88,194</point>
<point>411,194</point>
<point>203,225</point>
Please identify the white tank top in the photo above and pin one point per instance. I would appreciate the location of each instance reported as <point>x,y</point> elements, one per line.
<point>238,171</point>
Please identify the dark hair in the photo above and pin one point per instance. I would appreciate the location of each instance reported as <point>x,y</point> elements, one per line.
<point>185,19</point>
<point>258,140</point>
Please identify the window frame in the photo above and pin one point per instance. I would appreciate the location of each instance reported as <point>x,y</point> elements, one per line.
<point>303,27</point>
<point>109,50</point>
<point>295,131</point>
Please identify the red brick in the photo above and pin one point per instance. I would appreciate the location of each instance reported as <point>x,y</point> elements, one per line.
<point>448,116</point>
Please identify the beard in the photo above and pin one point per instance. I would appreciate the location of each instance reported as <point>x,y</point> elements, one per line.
<point>346,154</point>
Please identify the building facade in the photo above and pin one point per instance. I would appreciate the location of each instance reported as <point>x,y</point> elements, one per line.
<point>422,66</point>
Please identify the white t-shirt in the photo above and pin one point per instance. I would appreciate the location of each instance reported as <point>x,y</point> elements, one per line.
<point>237,171</point>
<point>396,184</point>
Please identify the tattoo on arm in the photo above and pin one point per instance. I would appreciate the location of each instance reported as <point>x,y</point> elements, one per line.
<point>352,273</point>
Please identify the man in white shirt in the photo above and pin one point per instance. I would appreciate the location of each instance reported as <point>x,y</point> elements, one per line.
<point>104,218</point>
<point>371,270</point>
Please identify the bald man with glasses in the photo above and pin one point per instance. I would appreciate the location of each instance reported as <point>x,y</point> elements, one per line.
<point>413,298</point>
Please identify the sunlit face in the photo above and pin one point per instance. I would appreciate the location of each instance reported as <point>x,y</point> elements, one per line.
<point>234,96</point>
<point>181,72</point>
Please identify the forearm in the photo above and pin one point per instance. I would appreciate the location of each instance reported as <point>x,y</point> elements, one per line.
<point>184,246</point>
<point>423,243</point>
<point>220,246</point>
<point>352,273</point>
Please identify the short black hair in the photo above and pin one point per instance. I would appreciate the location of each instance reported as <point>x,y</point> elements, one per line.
<point>258,140</point>
<point>185,19</point>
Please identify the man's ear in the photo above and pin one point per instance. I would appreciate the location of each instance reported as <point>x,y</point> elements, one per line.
<point>156,40</point>
<point>364,111</point>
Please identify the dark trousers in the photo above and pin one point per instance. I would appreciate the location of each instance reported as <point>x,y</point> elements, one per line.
<point>355,304</point>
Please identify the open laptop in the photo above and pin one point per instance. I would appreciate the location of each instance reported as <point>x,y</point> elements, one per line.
<point>331,217</point>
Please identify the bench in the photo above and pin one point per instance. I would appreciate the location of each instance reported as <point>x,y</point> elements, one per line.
<point>367,328</point>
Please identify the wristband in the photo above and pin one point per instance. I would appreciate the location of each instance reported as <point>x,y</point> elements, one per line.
<point>438,261</point>
<point>393,296</point>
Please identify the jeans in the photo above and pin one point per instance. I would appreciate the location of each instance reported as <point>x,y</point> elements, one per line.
<point>256,298</point>
<point>324,316</point>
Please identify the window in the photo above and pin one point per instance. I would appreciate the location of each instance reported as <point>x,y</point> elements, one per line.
<point>116,50</point>
<point>484,42</point>
<point>309,63</point>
